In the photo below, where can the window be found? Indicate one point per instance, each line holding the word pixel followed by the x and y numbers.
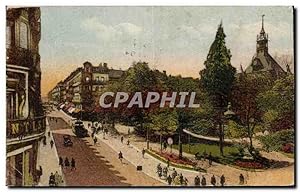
pixel 87 79
pixel 23 35
pixel 8 36
pixel 97 79
pixel 102 79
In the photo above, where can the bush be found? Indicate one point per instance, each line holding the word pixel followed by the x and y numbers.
pixel 276 141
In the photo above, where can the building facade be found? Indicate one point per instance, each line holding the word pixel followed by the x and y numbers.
pixel 25 115
pixel 83 86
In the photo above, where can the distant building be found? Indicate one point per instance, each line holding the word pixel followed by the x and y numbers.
pixel 24 111
pixel 262 62
pixel 83 86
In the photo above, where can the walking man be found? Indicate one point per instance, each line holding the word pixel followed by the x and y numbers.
pixel 203 181
pixel 143 152
pixel 174 174
pixel 95 140
pixel 73 164
pixel 51 180
pixel 181 179
pixel 44 141
pixel 48 133
pixel 120 156
pixel 222 180
pixel 242 179
pixel 169 180
pixel 213 180
pixel 56 178
pixel 122 138
pixel 60 162
pixel 67 163
pixel 51 143
pixel 197 181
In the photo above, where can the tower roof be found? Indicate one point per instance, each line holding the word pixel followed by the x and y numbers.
pixel 262 61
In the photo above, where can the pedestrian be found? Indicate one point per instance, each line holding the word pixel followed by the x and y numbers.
pixel 222 180
pixel 67 163
pixel 60 162
pixel 165 172
pixel 128 131
pixel 48 133
pixel 169 180
pixel 174 174
pixel 242 179
pixel 44 141
pixel 143 152
pixel 120 156
pixel 213 180
pixel 56 178
pixel 41 170
pixel 55 120
pixel 95 140
pixel 181 179
pixel 159 170
pixel 197 181
pixel 165 145
pixel 39 173
pixel 168 163
pixel 186 181
pixel 128 142
pixel 203 181
pixel 51 143
pixel 73 164
pixel 122 138
pixel 51 180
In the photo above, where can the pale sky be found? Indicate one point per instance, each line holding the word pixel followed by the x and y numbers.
pixel 175 39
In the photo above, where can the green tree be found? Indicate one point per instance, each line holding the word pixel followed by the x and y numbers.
pixel 278 104
pixel 140 78
pixel 164 122
pixel 217 77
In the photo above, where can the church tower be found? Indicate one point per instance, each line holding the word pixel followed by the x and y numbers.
pixel 262 40
pixel 262 62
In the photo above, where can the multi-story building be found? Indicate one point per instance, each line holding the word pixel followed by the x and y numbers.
pixel 83 86
pixel 25 115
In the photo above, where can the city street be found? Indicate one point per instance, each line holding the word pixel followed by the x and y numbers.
pixel 96 165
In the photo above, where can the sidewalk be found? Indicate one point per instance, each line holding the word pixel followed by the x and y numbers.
pixel 134 155
pixel 48 159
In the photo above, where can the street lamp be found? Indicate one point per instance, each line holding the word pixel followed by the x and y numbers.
pixel 229 114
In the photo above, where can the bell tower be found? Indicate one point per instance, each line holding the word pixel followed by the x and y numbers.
pixel 262 40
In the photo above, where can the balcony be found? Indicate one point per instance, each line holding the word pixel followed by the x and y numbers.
pixel 25 129
pixel 21 57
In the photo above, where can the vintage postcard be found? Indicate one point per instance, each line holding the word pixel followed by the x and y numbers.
pixel 150 96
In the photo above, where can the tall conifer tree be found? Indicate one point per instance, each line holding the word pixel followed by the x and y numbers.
pixel 217 77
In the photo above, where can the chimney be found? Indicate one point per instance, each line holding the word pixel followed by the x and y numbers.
pixel 105 65
pixel 100 65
